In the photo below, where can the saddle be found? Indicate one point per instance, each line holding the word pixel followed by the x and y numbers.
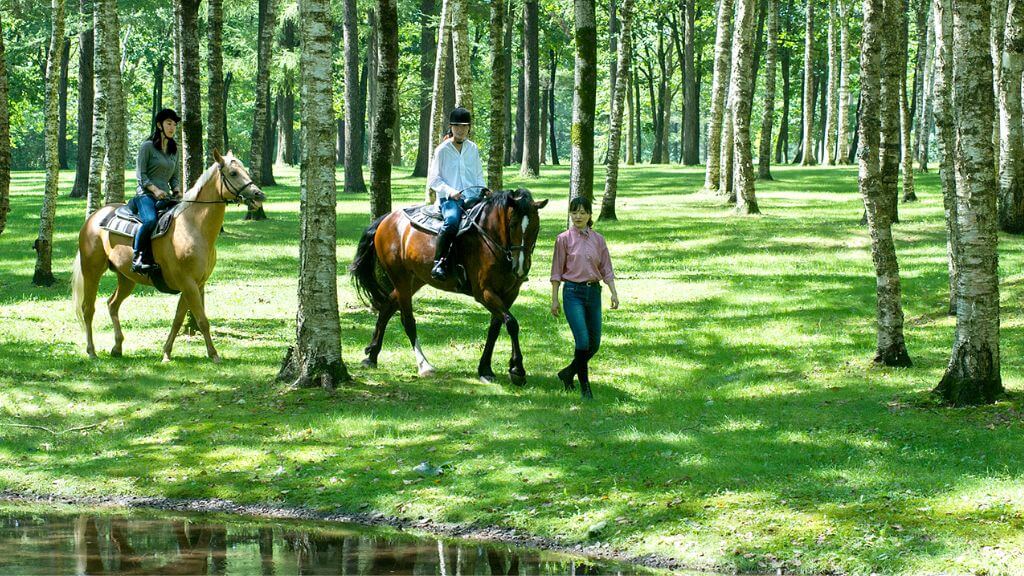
pixel 123 222
pixel 427 218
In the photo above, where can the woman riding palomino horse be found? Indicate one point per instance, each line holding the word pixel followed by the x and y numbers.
pixel 157 171
pixel 186 253
pixel 394 260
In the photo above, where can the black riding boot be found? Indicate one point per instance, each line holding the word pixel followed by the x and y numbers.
pixel 139 264
pixel 581 360
pixel 567 374
pixel 444 243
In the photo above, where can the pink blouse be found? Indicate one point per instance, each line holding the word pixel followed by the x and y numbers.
pixel 581 257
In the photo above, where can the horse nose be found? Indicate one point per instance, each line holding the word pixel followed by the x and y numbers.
pixel 259 195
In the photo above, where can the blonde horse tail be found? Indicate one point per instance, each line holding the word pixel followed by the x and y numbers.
pixel 78 288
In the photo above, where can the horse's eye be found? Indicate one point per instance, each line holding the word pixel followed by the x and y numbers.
pixel 234 172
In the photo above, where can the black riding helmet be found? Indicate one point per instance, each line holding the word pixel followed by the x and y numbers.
pixel 459 117
pixel 166 114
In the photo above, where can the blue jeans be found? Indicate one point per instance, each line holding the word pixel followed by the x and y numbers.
pixel 451 212
pixel 582 305
pixel 145 207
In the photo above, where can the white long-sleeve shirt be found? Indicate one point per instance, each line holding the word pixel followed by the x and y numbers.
pixel 452 171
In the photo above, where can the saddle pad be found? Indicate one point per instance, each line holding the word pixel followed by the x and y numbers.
pixel 124 222
pixel 428 218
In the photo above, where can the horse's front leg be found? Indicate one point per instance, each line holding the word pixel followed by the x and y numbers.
pixel 484 371
pixel 194 298
pixel 179 318
pixel 516 371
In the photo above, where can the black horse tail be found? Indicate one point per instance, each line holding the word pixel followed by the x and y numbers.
pixel 370 281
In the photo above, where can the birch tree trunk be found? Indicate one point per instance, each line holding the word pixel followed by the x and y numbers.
pixel 530 166
pixel 723 49
pixel 43 275
pixel 216 120
pixel 1011 164
pixel 428 50
pixel 191 108
pixel 764 149
pixel 879 101
pixel 920 81
pixel 892 79
pixel 973 374
pixel 808 107
pixel 552 141
pixel 831 95
pixel 928 111
pixel 462 45
pixel 116 123
pixel 628 100
pixel 996 35
pixel 316 359
pixel 625 57
pixel 354 113
pixel 499 92
pixel 387 109
pixel 5 137
pixel 843 117
pixel 258 138
pixel 440 68
pixel 906 116
pixel 946 138
pixel 727 149
pixel 372 68
pixel 85 100
pixel 581 134
pixel 98 150
pixel 782 142
pixel 743 86
pixel 691 102
pixel 62 106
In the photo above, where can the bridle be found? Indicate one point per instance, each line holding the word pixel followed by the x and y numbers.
pixel 226 183
pixel 499 250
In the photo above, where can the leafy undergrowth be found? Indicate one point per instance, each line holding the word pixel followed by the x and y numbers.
pixel 738 424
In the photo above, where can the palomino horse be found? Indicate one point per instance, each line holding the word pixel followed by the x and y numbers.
pixel 186 253
pixel 393 261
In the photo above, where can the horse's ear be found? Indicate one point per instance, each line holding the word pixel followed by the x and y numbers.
pixel 218 157
pixel 541 204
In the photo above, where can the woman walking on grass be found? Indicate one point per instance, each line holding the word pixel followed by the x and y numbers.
pixel 581 261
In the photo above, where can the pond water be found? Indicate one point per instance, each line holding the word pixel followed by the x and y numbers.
pixel 37 541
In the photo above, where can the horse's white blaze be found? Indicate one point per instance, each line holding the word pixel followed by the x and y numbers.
pixel 522 253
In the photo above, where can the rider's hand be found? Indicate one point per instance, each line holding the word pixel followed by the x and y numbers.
pixel 455 196
pixel 555 308
pixel 615 302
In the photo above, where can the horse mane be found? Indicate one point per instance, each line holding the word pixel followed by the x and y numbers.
pixel 193 192
pixel 520 198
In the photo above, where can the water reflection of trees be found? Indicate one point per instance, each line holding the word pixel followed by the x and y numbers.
pixel 103 546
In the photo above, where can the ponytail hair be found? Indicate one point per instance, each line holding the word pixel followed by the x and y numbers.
pixel 581 202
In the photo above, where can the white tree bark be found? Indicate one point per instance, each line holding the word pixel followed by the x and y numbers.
pixel 462 44
pixel 622 65
pixel 581 134
pixel 831 96
pixel 5 137
pixel 764 155
pixel 945 140
pixel 316 358
pixel 116 123
pixel 44 243
pixel 843 117
pixel 437 93
pixel 743 87
pixel 808 107
pixel 973 374
pixel 1011 164
pixel 719 88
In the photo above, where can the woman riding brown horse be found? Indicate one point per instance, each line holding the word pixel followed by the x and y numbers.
pixel 186 253
pixel 393 262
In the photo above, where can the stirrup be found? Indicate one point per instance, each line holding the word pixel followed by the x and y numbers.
pixel 438 272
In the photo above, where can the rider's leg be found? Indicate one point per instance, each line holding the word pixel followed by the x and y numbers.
pixel 451 211
pixel 145 208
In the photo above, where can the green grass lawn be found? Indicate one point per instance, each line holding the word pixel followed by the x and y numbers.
pixel 739 423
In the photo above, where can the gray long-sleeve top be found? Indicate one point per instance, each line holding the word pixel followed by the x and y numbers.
pixel 155 167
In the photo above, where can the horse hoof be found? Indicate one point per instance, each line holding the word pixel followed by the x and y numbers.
pixel 487 378
pixel 166 359
pixel 92 355
pixel 115 353
pixel 216 359
pixel 517 378
pixel 426 372
pixel 367 363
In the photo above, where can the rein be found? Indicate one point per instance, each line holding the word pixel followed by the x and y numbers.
pixel 225 183
pixel 495 246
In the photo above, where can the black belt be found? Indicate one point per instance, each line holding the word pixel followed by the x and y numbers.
pixel 590 283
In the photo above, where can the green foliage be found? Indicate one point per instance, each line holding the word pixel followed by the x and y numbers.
pixel 739 423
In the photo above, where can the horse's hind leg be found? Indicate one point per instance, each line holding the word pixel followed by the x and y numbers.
pixel 179 318
pixel 377 341
pixel 484 371
pixel 125 286
pixel 409 323
pixel 90 284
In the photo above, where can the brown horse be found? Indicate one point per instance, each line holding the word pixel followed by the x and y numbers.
pixel 393 261
pixel 186 253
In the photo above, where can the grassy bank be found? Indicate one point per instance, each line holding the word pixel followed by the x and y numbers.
pixel 738 421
